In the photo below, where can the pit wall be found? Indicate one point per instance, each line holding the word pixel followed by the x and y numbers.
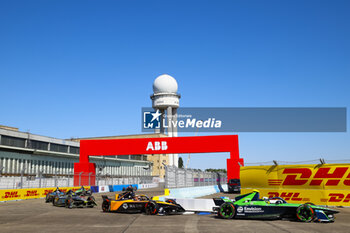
pixel 321 184
pixel 34 193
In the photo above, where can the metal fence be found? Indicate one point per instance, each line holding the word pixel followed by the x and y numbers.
pixel 314 161
pixel 47 180
pixel 178 178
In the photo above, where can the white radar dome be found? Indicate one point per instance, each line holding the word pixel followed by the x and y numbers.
pixel 164 84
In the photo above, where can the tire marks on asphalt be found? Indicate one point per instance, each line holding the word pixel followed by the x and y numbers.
pixel 130 224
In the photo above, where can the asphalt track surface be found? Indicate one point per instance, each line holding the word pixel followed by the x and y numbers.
pixel 37 216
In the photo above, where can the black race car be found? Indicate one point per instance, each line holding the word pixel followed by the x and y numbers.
pixel 83 192
pixel 79 198
pixel 51 196
pixel 140 204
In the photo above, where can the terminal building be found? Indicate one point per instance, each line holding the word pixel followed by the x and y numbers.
pixel 30 155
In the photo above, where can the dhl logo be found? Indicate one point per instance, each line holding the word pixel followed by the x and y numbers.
pixel 295 196
pixel 301 176
pixel 31 193
pixel 338 197
pixel 11 195
pixel 288 196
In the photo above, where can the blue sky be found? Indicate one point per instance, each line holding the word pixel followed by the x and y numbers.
pixel 85 68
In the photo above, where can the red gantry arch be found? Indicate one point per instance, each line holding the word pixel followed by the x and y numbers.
pixel 172 145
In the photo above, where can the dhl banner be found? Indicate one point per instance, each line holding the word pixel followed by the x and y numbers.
pixel 321 184
pixel 22 194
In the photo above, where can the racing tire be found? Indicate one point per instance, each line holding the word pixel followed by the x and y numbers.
pixel 91 202
pixel 92 199
pixel 305 213
pixel 106 206
pixel 151 208
pixel 47 198
pixel 69 202
pixel 54 201
pixel 227 211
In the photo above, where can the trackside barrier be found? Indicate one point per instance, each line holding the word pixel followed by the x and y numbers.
pixel 147 186
pixel 23 194
pixel 103 189
pixel 321 184
pixel 94 189
pixel 115 188
pixel 191 192
pixel 205 205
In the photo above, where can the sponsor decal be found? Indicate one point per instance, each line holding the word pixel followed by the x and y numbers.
pixel 135 206
pixel 338 197
pixel 125 206
pixel 253 210
pixel 157 146
pixel 293 196
pixel 47 191
pixel 327 176
pixel 12 194
pixel 32 193
pixel 240 209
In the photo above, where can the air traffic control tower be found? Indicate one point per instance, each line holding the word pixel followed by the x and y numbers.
pixel 166 99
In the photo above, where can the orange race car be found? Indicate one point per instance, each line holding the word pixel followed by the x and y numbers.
pixel 128 202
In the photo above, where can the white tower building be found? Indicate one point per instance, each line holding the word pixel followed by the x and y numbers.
pixel 166 99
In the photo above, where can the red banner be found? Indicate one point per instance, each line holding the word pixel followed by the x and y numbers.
pixel 167 145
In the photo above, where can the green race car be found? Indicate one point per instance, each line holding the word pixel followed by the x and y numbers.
pixel 250 206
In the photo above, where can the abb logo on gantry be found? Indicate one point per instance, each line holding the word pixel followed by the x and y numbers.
pixel 326 175
pixel 157 146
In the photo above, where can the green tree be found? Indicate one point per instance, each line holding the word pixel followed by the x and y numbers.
pixel 216 170
pixel 181 163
